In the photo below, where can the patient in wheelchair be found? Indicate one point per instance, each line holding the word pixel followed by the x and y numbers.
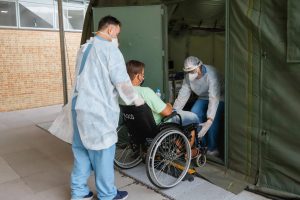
pixel 160 109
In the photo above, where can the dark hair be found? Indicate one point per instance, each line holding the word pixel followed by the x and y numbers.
pixel 108 20
pixel 134 67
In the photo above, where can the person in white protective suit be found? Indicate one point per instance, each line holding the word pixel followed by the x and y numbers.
pixel 205 82
pixel 101 79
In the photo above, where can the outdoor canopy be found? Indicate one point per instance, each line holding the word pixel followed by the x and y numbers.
pixel 262 72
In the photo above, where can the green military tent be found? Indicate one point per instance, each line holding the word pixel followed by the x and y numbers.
pixel 256 45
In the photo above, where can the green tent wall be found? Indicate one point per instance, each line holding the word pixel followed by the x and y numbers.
pixel 262 70
pixel 263 93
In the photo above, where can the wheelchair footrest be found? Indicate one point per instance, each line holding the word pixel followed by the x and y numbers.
pixel 188 177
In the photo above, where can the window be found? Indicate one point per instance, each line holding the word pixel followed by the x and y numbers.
pixel 75 18
pixel 42 14
pixel 73 14
pixel 8 13
pixel 36 15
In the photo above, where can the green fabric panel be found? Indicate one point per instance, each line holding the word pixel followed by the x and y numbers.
pixel 280 159
pixel 144 44
pixel 263 97
pixel 293 31
pixel 88 26
pixel 273 193
pixel 242 89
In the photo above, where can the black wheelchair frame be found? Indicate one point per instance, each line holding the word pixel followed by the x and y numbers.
pixel 165 147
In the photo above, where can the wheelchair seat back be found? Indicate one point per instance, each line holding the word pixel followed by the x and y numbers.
pixel 140 122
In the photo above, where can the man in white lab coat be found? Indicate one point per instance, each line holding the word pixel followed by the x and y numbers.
pixel 101 79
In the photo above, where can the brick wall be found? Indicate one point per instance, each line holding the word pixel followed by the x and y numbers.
pixel 30 68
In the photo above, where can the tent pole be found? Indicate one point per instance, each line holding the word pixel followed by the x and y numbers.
pixel 62 50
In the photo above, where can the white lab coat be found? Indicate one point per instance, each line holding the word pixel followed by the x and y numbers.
pixel 209 87
pixel 99 85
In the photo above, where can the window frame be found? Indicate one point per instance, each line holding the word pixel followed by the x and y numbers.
pixel 35 28
pixel 65 5
pixel 16 15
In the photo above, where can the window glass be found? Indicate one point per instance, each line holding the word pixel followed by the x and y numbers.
pixel 75 18
pixel 36 15
pixel 65 18
pixel 42 13
pixel 8 13
pixel 38 1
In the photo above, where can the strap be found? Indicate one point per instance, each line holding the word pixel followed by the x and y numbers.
pixel 84 57
pixel 203 69
pixel 83 61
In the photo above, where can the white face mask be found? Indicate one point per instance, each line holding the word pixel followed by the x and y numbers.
pixel 193 76
pixel 114 40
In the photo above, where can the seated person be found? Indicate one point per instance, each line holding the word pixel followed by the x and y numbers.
pixel 135 70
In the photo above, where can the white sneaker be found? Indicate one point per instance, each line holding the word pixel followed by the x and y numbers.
pixel 213 153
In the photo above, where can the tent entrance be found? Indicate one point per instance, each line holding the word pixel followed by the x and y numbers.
pixel 196 28
pixel 162 36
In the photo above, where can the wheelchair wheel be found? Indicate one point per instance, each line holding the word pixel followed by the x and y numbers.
pixel 168 158
pixel 128 155
pixel 200 160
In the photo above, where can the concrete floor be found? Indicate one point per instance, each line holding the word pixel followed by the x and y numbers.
pixel 36 165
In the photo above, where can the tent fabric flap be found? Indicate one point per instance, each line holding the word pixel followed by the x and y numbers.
pixel 293 31
pixel 263 93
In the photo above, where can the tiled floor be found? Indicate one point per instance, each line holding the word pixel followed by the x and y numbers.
pixel 36 165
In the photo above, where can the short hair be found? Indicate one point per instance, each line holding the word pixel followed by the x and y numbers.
pixel 134 67
pixel 106 21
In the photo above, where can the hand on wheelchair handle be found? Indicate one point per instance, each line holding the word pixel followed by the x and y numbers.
pixel 205 126
pixel 139 101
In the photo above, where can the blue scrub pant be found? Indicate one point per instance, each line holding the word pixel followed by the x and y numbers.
pixel 101 161
pixel 211 138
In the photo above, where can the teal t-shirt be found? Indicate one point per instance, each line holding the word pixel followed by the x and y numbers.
pixel 153 101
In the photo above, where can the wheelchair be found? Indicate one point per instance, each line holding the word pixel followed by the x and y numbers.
pixel 164 147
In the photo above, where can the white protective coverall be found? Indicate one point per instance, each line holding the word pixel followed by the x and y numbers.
pixel 102 80
pixel 209 87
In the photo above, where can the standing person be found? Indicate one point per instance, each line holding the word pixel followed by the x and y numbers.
pixel 205 82
pixel 101 78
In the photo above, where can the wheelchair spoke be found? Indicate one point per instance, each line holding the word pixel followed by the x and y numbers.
pixel 163 168
pixel 122 154
pixel 125 156
pixel 158 163
pixel 169 158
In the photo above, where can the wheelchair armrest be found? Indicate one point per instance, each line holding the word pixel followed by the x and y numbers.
pixel 173 114
pixel 166 118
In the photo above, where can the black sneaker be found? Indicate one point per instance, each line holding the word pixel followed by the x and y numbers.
pixel 89 196
pixel 121 195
